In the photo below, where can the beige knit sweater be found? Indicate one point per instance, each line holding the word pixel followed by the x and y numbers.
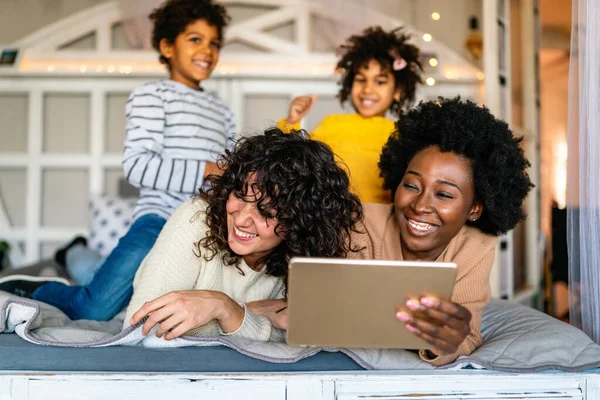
pixel 173 265
pixel 472 251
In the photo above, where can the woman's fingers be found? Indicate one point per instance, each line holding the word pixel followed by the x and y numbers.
pixel 444 341
pixel 447 307
pixel 146 309
pixel 451 337
pixel 150 306
pixel 179 330
pixel 441 347
pixel 157 317
pixel 168 324
pixel 443 315
pixel 442 323
pixel 266 307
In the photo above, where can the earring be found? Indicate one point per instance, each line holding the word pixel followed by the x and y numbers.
pixel 473 219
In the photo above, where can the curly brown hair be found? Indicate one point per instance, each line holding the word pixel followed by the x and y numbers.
pixel 376 44
pixel 174 16
pixel 301 186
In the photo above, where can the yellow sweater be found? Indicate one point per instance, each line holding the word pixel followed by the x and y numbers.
pixel 357 141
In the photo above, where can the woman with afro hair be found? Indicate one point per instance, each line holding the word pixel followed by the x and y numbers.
pixel 458 179
pixel 279 196
pixel 380 73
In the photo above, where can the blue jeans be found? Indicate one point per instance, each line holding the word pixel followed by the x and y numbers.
pixel 112 286
pixel 82 263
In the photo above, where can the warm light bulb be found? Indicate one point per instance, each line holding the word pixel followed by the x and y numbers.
pixel 430 81
pixel 435 16
pixel 111 68
pixel 83 68
pixel 480 76
pixel 433 62
pixel 427 37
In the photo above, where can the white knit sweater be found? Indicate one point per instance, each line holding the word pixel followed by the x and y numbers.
pixel 173 265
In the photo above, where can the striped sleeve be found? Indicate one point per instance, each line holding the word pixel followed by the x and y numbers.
pixel 231 134
pixel 145 164
pixel 230 121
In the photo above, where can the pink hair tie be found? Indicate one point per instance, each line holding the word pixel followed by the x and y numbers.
pixel 399 62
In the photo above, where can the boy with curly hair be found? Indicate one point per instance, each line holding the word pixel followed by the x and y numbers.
pixel 175 132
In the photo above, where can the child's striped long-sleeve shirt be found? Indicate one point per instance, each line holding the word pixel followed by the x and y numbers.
pixel 172 132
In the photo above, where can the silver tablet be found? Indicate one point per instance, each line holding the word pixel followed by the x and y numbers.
pixel 353 303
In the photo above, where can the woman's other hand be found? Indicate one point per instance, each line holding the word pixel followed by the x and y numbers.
pixel 442 323
pixel 274 310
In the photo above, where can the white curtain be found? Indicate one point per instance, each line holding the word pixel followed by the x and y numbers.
pixel 583 175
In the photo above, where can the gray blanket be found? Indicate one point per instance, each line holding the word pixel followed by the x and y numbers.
pixel 516 339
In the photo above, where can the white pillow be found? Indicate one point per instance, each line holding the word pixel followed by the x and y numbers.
pixel 110 219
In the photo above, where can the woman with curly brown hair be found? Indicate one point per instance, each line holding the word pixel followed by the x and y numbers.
pixel 380 74
pixel 280 196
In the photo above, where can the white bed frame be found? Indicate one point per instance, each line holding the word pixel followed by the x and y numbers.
pixel 425 385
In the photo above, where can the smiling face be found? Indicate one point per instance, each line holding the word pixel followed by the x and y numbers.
pixel 433 202
pixel 373 90
pixel 194 54
pixel 249 234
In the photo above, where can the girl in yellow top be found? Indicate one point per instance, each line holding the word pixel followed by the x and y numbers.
pixel 380 73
